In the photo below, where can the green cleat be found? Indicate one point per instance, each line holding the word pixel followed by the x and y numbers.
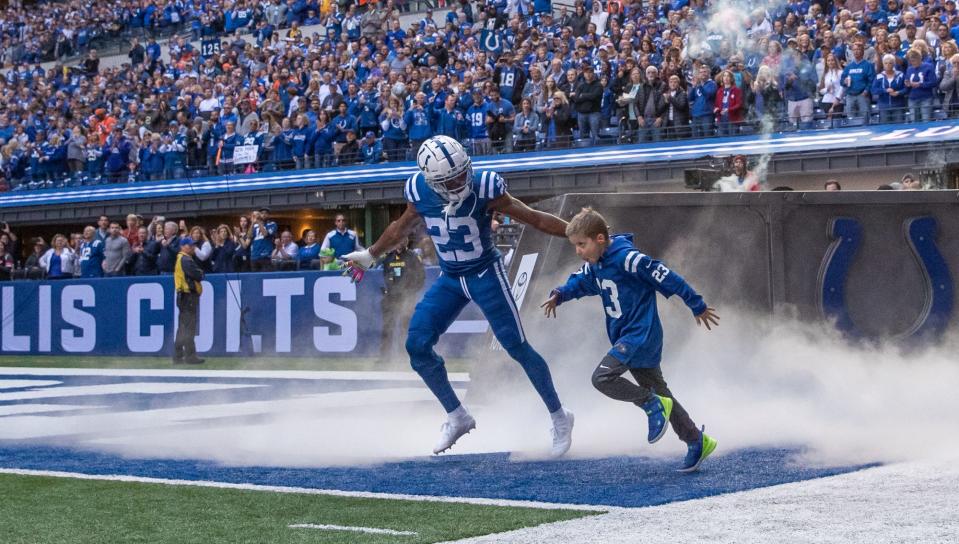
pixel 698 452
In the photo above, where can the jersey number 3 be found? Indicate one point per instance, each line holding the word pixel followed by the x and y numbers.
pixel 614 310
pixel 455 251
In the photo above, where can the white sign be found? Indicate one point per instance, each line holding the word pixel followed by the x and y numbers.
pixel 245 154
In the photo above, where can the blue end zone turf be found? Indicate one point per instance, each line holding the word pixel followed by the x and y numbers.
pixel 616 481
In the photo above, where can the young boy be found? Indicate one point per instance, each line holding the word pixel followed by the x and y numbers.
pixel 628 280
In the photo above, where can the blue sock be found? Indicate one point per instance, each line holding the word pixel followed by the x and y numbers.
pixel 538 373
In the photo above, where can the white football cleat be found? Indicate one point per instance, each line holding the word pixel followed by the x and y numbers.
pixel 451 431
pixel 562 435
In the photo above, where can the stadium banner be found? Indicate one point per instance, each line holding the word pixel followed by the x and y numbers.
pixel 304 314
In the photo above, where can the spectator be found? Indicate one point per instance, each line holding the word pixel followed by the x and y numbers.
pixel 856 80
pixel 341 239
pixel 525 127
pixel 7 263
pixel 285 255
pixel 202 248
pixel 702 100
pixel 144 253
pixel 587 96
pixel 310 250
pixel 832 89
pixel 169 240
pixel 910 183
pixel 889 88
pixel 502 116
pixel 116 252
pixel 33 266
pixel 677 109
pixel 798 81
pixel 920 80
pixel 263 236
pixel 59 261
pixel 91 254
pixel 371 149
pixel 103 228
pixel 768 99
pixel 417 121
pixel 350 152
pixel 558 120
pixel 651 106
pixel 948 87
pixel 132 232
pixel 224 251
pixel 395 139
pixel 729 105
pixel 832 185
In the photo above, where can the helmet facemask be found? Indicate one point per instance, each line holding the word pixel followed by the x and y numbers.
pixel 454 188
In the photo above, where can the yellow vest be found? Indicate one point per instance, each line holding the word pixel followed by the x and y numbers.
pixel 181 283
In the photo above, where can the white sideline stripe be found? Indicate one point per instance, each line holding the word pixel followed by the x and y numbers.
pixel 367 530
pixel 373 375
pixel 25 409
pixel 152 388
pixel 24 427
pixel 309 491
pixel 16 384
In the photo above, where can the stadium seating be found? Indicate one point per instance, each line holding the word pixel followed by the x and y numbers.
pixel 166 114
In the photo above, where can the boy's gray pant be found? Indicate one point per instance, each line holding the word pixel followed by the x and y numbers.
pixel 608 378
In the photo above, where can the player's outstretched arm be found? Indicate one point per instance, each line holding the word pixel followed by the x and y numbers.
pixel 391 237
pixel 541 221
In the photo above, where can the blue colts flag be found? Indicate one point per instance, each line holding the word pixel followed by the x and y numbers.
pixel 491 41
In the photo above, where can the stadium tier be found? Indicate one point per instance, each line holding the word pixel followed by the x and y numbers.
pixel 255 93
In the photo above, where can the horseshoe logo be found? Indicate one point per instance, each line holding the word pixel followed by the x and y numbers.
pixel 491 41
pixel 920 233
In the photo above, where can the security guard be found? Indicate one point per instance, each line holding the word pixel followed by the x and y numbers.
pixel 186 279
pixel 403 274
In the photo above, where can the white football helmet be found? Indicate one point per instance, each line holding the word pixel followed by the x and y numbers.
pixel 446 167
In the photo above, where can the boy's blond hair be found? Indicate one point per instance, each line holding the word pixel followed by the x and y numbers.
pixel 588 223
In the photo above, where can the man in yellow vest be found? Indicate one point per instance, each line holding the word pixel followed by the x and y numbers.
pixel 186 280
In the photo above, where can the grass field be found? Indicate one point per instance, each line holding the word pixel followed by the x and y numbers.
pixel 220 363
pixel 40 509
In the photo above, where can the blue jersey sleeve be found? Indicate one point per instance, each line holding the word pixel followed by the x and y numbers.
pixel 662 279
pixel 412 190
pixel 491 185
pixel 579 285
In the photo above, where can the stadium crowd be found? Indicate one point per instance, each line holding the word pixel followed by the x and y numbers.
pixel 507 75
pixel 136 247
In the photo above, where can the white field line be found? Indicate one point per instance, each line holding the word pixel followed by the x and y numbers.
pixel 372 375
pixel 308 491
pixel 17 384
pixel 33 408
pixel 144 388
pixel 367 530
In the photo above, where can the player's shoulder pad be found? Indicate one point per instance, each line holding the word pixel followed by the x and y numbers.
pixel 489 185
pixel 412 191
pixel 633 259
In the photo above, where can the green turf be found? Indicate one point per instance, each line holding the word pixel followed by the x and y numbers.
pixel 220 363
pixel 38 509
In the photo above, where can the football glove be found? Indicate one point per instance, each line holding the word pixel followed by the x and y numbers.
pixel 357 263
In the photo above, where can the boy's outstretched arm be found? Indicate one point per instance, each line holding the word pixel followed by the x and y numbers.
pixel 670 283
pixel 541 221
pixel 708 317
pixel 579 285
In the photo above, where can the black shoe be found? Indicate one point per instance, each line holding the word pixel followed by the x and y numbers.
pixel 194 361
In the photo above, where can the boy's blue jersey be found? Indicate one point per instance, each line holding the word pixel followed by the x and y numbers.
pixel 91 259
pixel 627 280
pixel 464 240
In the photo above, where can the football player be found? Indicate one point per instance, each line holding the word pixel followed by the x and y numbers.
pixel 457 205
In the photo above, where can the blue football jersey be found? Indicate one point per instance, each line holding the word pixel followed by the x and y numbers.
pixel 628 280
pixel 464 240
